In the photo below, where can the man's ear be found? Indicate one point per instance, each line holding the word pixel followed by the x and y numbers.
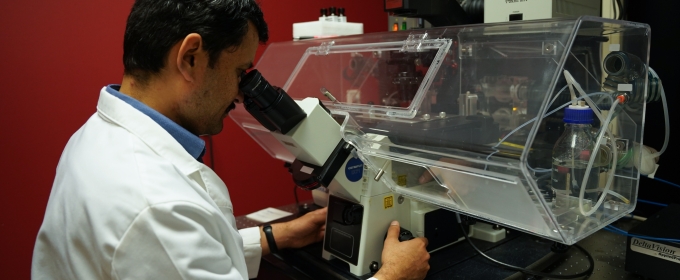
pixel 191 56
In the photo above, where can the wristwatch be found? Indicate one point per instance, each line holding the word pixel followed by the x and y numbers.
pixel 267 229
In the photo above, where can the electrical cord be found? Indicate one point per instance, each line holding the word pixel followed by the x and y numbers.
pixel 527 271
pixel 616 230
pixel 297 202
pixel 667 182
pixel 622 11
pixel 652 202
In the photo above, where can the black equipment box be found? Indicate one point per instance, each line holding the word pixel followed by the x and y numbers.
pixel 657 260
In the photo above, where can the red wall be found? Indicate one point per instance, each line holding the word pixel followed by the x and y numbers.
pixel 56 56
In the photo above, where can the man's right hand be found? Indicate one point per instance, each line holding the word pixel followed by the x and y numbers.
pixel 403 260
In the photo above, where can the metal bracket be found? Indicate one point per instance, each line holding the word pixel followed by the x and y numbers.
pixel 414 42
pixel 465 50
pixel 323 49
pixel 549 48
pixel 468 104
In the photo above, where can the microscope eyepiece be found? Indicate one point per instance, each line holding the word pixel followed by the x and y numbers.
pixel 269 105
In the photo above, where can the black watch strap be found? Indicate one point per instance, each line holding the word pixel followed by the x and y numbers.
pixel 267 229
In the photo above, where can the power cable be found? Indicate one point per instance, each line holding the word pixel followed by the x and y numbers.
pixel 527 271
pixel 622 12
pixel 652 202
pixel 667 182
pixel 616 230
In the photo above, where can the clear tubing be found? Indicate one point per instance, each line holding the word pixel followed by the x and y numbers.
pixel 621 197
pixel 593 156
pixel 558 95
pixel 665 114
pixel 569 103
pixel 572 83
pixel 571 90
pixel 547 114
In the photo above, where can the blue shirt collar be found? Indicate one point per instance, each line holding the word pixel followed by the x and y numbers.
pixel 193 144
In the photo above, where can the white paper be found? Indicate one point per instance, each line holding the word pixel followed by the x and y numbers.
pixel 268 214
pixel 306 169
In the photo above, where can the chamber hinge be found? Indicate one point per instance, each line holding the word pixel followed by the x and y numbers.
pixel 323 49
pixel 414 42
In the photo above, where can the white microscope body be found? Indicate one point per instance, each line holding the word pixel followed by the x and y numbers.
pixel 478 109
pixel 360 206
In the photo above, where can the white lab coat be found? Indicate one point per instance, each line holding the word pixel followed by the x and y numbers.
pixel 128 202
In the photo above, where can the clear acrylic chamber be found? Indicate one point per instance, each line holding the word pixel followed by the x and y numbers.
pixel 472 113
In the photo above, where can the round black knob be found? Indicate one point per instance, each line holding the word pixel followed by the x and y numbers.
pixel 373 267
pixel 405 235
pixel 352 214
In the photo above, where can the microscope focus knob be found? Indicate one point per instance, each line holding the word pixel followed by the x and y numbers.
pixel 374 267
pixel 352 214
pixel 405 235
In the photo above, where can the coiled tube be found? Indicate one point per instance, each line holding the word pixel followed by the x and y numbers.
pixel 610 178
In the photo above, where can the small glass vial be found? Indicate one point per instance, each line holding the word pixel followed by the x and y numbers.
pixel 322 16
pixel 332 14
pixel 341 15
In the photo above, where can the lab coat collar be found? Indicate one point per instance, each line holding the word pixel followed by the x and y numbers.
pixel 119 112
pixel 191 143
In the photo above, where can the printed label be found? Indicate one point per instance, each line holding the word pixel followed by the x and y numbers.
pixel 654 249
pixel 388 202
pixel 402 180
pixel 354 169
pixel 625 87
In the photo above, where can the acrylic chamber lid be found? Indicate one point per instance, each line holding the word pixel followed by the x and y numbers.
pixel 471 113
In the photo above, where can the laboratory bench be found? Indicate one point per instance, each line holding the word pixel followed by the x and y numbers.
pixel 460 261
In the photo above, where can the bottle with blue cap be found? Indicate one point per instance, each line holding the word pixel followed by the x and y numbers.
pixel 570 158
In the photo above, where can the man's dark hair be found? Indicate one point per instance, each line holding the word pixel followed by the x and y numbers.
pixel 154 26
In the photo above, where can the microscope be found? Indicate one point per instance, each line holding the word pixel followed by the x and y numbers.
pixel 417 126
pixel 360 205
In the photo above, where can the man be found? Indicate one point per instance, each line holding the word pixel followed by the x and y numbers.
pixel 132 199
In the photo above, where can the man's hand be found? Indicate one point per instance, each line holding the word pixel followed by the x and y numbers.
pixel 297 233
pixel 403 260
